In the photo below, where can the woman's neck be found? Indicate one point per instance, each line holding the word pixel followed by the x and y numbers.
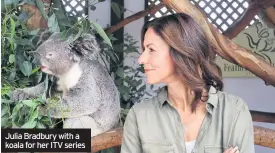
pixel 180 96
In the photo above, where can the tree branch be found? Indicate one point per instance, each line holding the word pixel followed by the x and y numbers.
pixel 254 8
pixel 36 20
pixel 134 17
pixel 223 46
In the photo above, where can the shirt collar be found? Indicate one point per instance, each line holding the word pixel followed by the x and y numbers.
pixel 212 100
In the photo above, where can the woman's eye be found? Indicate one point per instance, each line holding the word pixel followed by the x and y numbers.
pixel 151 50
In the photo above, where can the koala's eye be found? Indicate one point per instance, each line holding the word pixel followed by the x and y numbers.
pixel 49 54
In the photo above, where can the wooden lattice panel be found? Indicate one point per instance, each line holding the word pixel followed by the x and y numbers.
pixel 221 13
pixel 161 12
pixel 76 8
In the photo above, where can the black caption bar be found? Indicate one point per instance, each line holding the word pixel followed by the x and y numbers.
pixel 46 140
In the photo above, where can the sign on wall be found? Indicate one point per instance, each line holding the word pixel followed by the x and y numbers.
pixel 257 38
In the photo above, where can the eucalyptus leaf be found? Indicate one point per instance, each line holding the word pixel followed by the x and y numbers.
pixel 30 103
pixel 41 7
pixel 25 110
pixel 40 125
pixel 4 110
pixel 86 26
pixel 15 111
pixel 12 28
pixel 111 55
pixel 46 120
pixel 4 121
pixel 34 115
pixel 102 33
pixel 120 72
pixel 67 33
pixel 55 27
pixel 2 6
pixel 34 32
pixel 123 89
pixel 142 88
pixel 78 34
pixel 29 125
pixel 30 2
pixel 26 68
pixel 60 14
pixel 119 82
pixel 6 101
pixel 116 9
pixel 9 2
pixel 12 76
pixel 11 58
pixel 51 20
pixel 35 70
pixel 23 41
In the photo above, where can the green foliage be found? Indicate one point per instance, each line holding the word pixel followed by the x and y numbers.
pixel 129 79
pixel 19 68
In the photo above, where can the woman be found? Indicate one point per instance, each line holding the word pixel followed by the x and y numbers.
pixel 190 114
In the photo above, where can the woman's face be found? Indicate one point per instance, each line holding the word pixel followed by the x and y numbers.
pixel 158 65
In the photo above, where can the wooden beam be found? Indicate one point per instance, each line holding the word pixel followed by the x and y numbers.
pixel 106 140
pixel 262 136
pixel 258 116
pixel 254 8
pixel 134 17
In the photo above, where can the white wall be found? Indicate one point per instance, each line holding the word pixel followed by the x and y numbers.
pixel 102 13
pixel 257 95
pixel 133 28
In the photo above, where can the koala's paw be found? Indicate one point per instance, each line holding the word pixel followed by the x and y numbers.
pixel 19 94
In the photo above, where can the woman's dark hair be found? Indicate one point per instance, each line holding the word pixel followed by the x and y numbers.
pixel 192 54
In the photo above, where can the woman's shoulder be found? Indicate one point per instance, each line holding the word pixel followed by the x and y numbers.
pixel 147 105
pixel 230 101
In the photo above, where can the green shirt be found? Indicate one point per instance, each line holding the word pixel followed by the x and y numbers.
pixel 154 126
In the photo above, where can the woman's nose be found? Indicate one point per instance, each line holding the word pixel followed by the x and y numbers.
pixel 142 58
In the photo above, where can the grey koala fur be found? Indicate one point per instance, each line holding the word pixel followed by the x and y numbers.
pixel 89 93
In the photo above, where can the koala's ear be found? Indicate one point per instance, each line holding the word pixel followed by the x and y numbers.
pixel 43 36
pixel 74 57
pixel 86 45
pixel 55 36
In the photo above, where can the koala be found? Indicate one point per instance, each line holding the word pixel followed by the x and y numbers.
pixel 89 94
